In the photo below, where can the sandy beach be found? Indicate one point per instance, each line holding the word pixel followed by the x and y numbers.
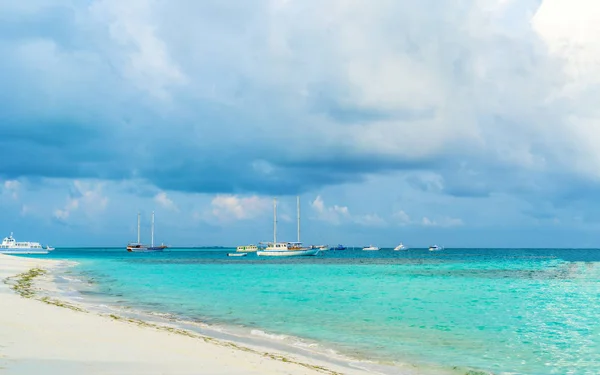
pixel 38 335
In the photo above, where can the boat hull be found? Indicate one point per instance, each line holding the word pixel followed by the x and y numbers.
pixel 149 249
pixel 370 249
pixel 24 251
pixel 237 254
pixel 288 253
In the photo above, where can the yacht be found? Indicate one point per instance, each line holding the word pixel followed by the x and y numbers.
pixel 11 246
pixel 320 247
pixel 138 247
pixel 371 248
pixel 435 248
pixel 246 249
pixel 286 249
pixel 401 247
pixel 339 247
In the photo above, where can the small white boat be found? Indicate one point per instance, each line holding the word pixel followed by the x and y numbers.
pixel 247 249
pixel 435 248
pixel 237 254
pixel 401 247
pixel 370 248
pixel 320 247
pixel 11 246
pixel 286 249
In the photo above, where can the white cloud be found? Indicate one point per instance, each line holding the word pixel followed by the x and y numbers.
pixel 334 214
pixel 232 207
pixel 442 222
pixel 402 217
pixel 86 197
pixel 166 202
pixel 338 215
pixel 11 188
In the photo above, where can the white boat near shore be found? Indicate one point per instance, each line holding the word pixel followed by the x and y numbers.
pixel 11 246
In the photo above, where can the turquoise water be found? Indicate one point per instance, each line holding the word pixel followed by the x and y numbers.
pixel 503 311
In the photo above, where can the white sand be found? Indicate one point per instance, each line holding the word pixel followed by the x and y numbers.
pixel 37 338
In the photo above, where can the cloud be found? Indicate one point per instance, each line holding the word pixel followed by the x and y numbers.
pixel 465 82
pixel 402 217
pixel 338 215
pixel 84 196
pixel 442 222
pixel 166 202
pixel 229 208
pixel 11 188
pixel 334 214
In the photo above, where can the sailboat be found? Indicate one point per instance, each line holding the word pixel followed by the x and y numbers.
pixel 286 249
pixel 138 247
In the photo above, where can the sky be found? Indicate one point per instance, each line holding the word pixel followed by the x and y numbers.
pixel 463 123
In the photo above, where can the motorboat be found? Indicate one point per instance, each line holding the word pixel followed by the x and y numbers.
pixel 370 248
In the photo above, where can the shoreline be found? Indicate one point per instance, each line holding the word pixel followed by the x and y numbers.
pixel 66 338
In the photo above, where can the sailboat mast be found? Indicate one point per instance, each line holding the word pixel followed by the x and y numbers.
pixel 298 211
pixel 152 234
pixel 274 221
pixel 138 241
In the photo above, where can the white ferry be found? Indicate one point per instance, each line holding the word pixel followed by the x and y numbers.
pixel 11 246
pixel 247 249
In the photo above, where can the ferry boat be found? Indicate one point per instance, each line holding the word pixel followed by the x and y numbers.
pixel 246 249
pixel 286 249
pixel 11 246
pixel 370 248
pixel 138 247
pixel 400 247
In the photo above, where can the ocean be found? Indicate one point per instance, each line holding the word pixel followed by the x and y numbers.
pixel 499 311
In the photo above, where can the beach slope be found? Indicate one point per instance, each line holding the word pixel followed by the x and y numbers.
pixel 38 337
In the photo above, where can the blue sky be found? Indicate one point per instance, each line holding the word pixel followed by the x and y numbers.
pixel 461 123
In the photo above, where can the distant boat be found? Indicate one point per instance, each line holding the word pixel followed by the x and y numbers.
pixel 138 247
pixel 400 247
pixel 286 249
pixel 371 248
pixel 11 246
pixel 339 247
pixel 320 247
pixel 247 249
pixel 237 254
pixel 435 248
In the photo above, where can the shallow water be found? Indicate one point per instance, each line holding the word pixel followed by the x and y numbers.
pixel 514 311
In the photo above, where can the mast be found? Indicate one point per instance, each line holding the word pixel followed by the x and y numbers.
pixel 274 221
pixel 152 232
pixel 138 241
pixel 298 212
